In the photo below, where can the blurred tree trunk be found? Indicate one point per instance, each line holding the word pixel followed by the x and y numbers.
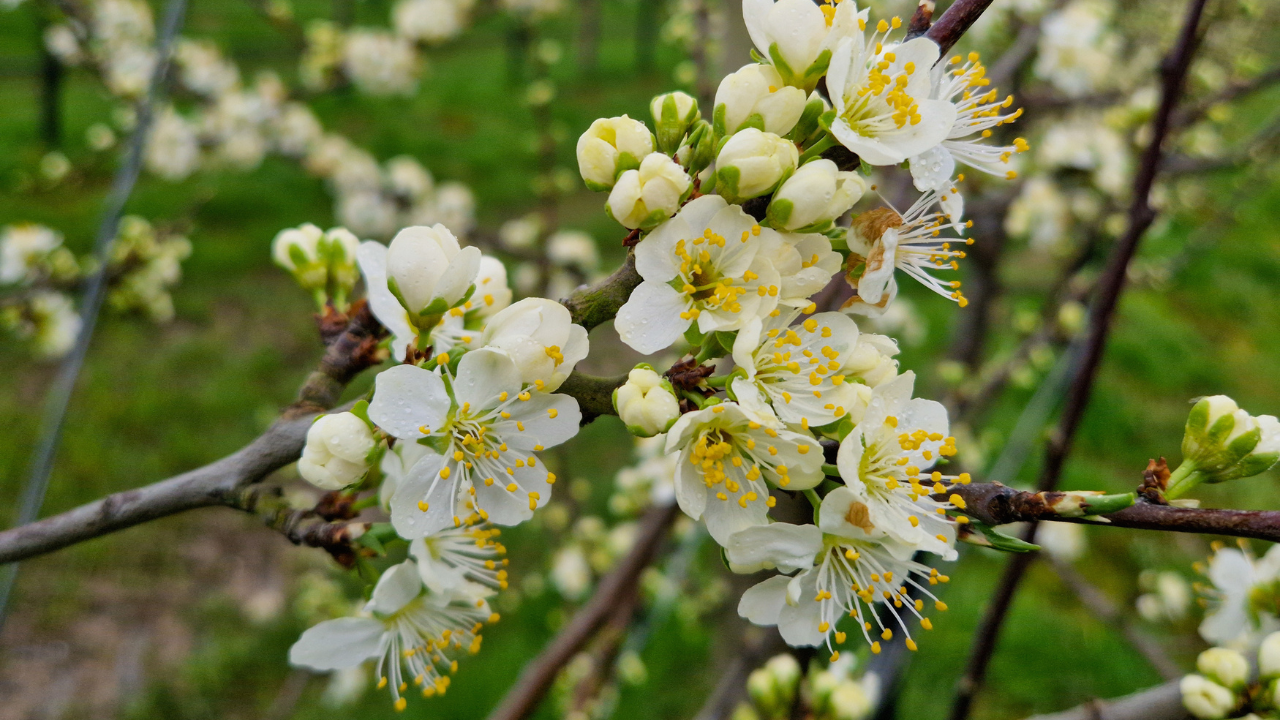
pixel 51 74
pixel 589 12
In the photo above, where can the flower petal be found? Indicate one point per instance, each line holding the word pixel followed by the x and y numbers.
pixel 338 644
pixel 408 399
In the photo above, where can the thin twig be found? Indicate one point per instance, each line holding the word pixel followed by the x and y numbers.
pixel 540 673
pixel 64 384
pixel 1163 702
pixel 1173 73
pixel 955 22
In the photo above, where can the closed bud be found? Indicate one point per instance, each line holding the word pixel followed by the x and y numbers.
pixel 298 251
pixel 814 196
pixel 773 687
pixel 429 272
pixel 699 148
pixel 610 147
pixel 647 196
pixel 646 402
pixel 850 701
pixel 821 686
pixel 752 163
pixel 339 246
pixel 673 114
pixel 1205 698
pixel 756 96
pixel 1223 442
pixel 336 452
pixel 1226 667
pixel 1269 657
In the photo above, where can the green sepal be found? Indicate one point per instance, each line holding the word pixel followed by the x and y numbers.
pixel 361 410
pixel 754 120
pixel 626 161
pixel 372 542
pixel 760 59
pixel 779 212
pixel 788 75
pixel 826 118
pixel 438 443
pixel 816 70
pixel 727 179
pixel 718 128
pixel 595 186
pixel 693 335
pixel 865 168
pixel 999 541
pixel 726 338
pixel 299 258
pixel 1107 504
pixel 655 218
pixel 808 122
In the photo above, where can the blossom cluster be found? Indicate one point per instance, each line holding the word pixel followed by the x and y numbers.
pixel 39 274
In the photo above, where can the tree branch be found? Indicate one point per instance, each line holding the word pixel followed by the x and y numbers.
pixel 957 19
pixel 1163 702
pixel 596 304
pixel 1110 285
pixel 540 673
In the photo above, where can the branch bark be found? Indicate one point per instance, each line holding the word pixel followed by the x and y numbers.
pixel 1173 72
pixel 540 673
pixel 1163 702
pixel 957 19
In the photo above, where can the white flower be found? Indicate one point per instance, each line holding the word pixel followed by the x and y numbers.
pixel 798 36
pixel 1243 598
pixel 408 179
pixel 412 633
pixel 729 456
pixel 61 42
pixel 814 196
pixel 757 91
pixel 204 70
pixel 647 196
pixel 1269 657
pixel 883 461
pixel 570 572
pixel 100 137
pixel 1206 699
pixel 839 576
pixel 381 63
pixel 173 150
pixel 313 255
pixel 395 466
pixel 541 338
pixel 1077 53
pixel 295 129
pixel 881 96
pixel 54 324
pixel 881 241
pixel 336 451
pixel 1223 442
pixel 1224 666
pixel 22 246
pixel 431 21
pixel 646 404
pixel 451 559
pixel 609 147
pixel 428 270
pixel 1085 142
pixel 752 163
pixel 484 435
pixel 977 112
pixel 719 253
pixel 1064 542
pixel 574 248
pixel 1040 213
pixel 798 367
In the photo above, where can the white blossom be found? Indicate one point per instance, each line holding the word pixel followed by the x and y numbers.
pixel 647 196
pixel 609 147
pixel 484 430
pixel 757 91
pixel 814 196
pixel 798 36
pixel 336 450
pixel 381 63
pixel 752 163
pixel 646 404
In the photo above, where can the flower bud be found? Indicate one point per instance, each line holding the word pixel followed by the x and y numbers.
pixel 752 163
pixel 773 687
pixel 1269 657
pixel 610 147
pixel 336 452
pixel 756 96
pixel 428 271
pixel 646 403
pixel 339 246
pixel 297 250
pixel 647 196
pixel 541 338
pixel 814 196
pixel 673 113
pixel 1205 698
pixel 1223 442
pixel 1226 667
pixel 850 701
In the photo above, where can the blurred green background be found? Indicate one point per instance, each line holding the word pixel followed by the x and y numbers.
pixel 192 616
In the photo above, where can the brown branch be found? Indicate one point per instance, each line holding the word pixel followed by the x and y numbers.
pixel 540 673
pixel 604 655
pixel 957 20
pixel 1194 113
pixel 1173 75
pixel 921 19
pixel 218 482
pixel 1163 702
